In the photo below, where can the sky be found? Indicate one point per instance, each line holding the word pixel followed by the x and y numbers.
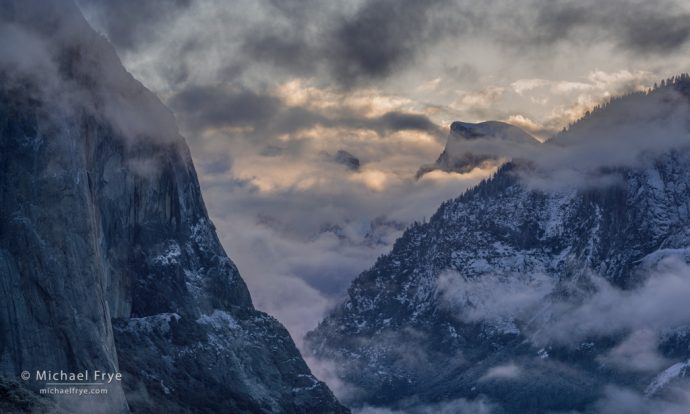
pixel 277 98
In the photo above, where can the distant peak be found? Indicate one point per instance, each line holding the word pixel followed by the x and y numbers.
pixel 483 145
pixel 488 129
pixel 480 126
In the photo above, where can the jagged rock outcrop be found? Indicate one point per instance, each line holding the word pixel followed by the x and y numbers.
pixel 540 290
pixel 108 259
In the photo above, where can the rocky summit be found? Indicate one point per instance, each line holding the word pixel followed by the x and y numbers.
pixel 480 145
pixel 108 260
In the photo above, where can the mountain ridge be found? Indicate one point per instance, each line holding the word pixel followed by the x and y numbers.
pixel 481 303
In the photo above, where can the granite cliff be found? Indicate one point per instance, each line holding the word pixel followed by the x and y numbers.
pixel 108 259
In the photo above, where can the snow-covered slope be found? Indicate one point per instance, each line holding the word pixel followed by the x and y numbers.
pixel 538 289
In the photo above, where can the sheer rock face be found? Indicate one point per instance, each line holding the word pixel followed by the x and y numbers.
pixel 108 259
pixel 467 305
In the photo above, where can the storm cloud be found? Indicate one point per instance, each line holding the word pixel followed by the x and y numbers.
pixel 129 23
pixel 218 107
pixel 382 35
pixel 640 27
pixel 352 43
